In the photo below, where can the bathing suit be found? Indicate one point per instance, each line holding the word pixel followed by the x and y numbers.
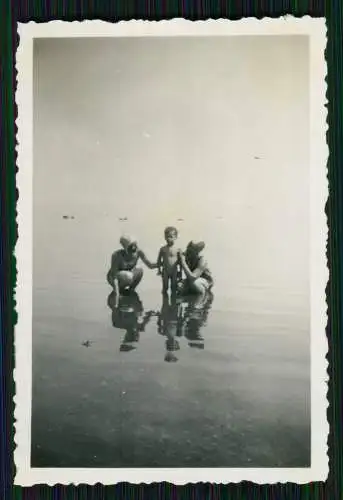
pixel 206 274
pixel 126 263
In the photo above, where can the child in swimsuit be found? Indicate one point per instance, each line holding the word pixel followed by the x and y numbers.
pixel 168 262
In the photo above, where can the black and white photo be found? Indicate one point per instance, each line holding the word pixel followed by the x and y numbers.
pixel 171 253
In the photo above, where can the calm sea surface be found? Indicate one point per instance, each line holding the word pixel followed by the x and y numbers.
pixel 224 383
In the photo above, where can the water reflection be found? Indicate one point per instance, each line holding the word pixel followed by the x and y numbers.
pixel 183 317
pixel 178 317
pixel 128 314
pixel 196 318
pixel 169 324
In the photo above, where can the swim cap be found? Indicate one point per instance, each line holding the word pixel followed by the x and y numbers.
pixel 196 246
pixel 126 241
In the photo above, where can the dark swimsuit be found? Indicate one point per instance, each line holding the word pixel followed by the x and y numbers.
pixel 206 274
pixel 124 264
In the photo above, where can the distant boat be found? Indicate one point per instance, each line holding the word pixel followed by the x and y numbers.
pixel 68 216
pixel 123 218
pixel 87 343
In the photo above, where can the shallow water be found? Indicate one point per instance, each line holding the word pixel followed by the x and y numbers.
pixel 210 135
pixel 151 383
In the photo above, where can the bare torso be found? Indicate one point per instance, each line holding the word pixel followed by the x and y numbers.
pixel 169 259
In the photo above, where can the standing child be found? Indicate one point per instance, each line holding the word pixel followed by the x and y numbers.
pixel 168 262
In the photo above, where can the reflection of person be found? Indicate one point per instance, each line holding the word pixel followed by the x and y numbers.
pixel 124 275
pixel 196 317
pixel 170 319
pixel 168 261
pixel 127 314
pixel 183 318
pixel 169 324
pixel 198 276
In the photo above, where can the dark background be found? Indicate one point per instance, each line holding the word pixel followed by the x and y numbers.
pixel 19 11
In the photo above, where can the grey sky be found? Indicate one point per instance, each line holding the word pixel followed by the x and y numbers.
pixel 197 109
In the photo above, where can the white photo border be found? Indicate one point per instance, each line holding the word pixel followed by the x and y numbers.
pixel 315 29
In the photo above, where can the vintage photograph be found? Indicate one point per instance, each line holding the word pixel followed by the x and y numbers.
pixel 171 252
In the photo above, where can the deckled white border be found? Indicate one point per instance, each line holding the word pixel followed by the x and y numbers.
pixel 316 30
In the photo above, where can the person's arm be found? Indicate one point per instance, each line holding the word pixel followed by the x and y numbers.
pixel 179 265
pixel 150 265
pixel 112 274
pixel 197 272
pixel 160 261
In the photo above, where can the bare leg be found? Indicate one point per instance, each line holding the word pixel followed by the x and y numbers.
pixel 124 280
pixel 128 280
pixel 198 286
pixel 174 282
pixel 109 278
pixel 165 282
pixel 137 275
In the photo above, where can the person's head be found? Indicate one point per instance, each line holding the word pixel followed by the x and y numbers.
pixel 194 248
pixel 129 244
pixel 193 252
pixel 132 248
pixel 170 235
